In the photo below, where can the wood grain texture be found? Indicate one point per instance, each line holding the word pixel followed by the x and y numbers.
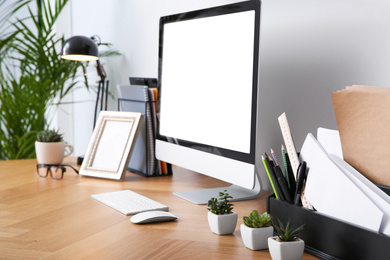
pixel 41 218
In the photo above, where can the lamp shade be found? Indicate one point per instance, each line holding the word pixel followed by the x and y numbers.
pixel 80 48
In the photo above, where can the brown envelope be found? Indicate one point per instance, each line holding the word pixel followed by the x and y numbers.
pixel 363 120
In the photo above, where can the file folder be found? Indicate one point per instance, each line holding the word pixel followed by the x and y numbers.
pixel 137 98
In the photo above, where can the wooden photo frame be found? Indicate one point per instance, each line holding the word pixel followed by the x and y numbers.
pixel 111 144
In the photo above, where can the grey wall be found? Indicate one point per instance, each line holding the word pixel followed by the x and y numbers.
pixel 309 48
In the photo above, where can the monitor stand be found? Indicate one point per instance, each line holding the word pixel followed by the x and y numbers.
pixel 202 196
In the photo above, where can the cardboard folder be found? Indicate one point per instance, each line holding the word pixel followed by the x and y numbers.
pixel 363 120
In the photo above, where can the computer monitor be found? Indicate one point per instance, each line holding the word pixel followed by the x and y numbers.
pixel 208 96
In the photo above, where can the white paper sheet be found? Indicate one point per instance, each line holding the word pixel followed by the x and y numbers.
pixel 376 195
pixel 334 194
pixel 330 140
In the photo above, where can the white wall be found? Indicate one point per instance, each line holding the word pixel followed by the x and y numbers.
pixel 132 28
pixel 309 48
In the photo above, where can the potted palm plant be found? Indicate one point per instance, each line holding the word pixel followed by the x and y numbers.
pixel 256 230
pixel 50 147
pixel 286 245
pixel 222 220
pixel 33 77
pixel 33 74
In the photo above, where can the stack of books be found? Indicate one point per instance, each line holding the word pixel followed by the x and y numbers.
pixel 140 98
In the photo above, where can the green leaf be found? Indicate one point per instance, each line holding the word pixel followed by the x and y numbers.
pixel 32 73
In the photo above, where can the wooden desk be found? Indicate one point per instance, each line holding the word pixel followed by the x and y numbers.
pixel 41 218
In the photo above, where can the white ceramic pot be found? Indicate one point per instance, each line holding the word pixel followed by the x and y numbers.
pixel 222 224
pixel 286 250
pixel 256 238
pixel 51 153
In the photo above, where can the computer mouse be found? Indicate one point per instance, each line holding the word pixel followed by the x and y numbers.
pixel 152 216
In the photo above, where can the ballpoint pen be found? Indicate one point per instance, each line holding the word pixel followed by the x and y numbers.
pixel 301 179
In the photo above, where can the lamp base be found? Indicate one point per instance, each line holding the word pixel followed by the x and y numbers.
pixel 80 160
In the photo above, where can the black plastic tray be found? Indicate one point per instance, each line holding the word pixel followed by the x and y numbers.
pixel 329 238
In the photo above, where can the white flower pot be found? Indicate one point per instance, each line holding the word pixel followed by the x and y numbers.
pixel 286 250
pixel 222 224
pixel 51 153
pixel 256 238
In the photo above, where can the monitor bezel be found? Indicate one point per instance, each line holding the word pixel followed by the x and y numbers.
pixel 253 5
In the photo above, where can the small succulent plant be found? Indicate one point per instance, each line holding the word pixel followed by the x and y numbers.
pixel 221 205
pixel 49 136
pixel 254 220
pixel 285 232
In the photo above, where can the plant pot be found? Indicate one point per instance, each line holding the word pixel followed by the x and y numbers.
pixel 292 250
pixel 51 153
pixel 256 238
pixel 222 224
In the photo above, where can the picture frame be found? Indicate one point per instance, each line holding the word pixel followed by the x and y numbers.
pixel 111 145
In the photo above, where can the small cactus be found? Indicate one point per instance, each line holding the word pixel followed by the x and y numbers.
pixel 285 232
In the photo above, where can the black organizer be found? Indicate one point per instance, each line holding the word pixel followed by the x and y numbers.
pixel 329 238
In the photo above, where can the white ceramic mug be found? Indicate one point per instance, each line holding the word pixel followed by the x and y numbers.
pixel 52 153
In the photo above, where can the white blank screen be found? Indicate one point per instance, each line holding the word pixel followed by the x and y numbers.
pixel 207 74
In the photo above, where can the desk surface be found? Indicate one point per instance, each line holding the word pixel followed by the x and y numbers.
pixel 57 219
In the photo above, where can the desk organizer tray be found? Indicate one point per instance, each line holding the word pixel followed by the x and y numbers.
pixel 329 238
pixel 143 160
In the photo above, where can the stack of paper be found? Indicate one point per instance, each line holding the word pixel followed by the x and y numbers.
pixel 336 189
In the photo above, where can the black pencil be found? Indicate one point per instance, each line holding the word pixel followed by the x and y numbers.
pixel 283 184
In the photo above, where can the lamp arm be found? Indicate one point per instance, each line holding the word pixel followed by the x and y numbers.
pixel 102 92
pixel 100 70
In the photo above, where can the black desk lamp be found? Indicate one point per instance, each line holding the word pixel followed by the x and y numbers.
pixel 81 48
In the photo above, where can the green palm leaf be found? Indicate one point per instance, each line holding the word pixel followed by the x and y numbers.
pixel 32 75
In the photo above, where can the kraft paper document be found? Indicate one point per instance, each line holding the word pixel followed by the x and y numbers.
pixel 363 120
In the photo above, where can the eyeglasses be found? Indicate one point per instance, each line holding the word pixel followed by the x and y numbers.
pixel 56 171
